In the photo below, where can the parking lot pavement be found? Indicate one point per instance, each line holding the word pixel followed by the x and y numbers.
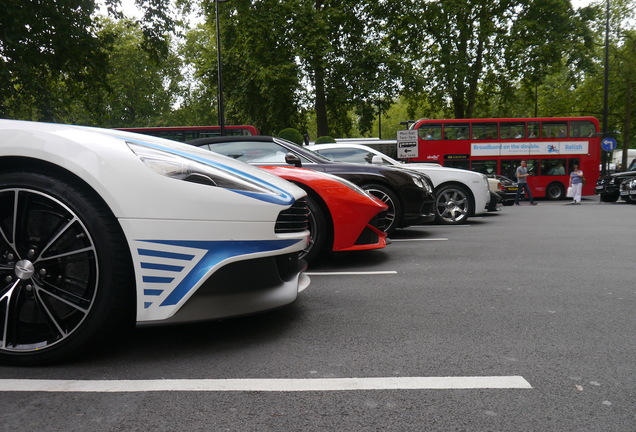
pixel 539 295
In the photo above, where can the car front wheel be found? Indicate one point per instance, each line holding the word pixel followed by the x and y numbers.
pixel 610 197
pixel 452 205
pixel 394 212
pixel 317 227
pixel 65 271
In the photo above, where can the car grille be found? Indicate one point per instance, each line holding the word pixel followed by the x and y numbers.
pixel 294 219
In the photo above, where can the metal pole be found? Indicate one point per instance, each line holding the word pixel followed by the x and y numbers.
pixel 606 90
pixel 220 72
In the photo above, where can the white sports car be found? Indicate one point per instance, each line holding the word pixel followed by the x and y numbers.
pixel 459 194
pixel 100 229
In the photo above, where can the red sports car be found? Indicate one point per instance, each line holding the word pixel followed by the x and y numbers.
pixel 342 216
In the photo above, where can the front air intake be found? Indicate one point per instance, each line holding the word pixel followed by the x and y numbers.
pixel 294 219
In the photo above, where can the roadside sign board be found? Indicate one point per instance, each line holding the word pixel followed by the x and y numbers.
pixel 407 144
pixel 608 144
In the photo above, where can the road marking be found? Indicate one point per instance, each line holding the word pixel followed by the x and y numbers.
pixel 425 227
pixel 408 240
pixel 265 385
pixel 348 273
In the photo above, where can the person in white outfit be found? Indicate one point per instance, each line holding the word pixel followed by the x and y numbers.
pixel 576 183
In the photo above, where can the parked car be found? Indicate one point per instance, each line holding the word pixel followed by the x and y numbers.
pixel 507 187
pixel 408 194
pixel 496 195
pixel 608 187
pixel 459 193
pixel 100 229
pixel 628 190
pixel 342 216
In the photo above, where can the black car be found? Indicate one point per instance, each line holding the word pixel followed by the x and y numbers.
pixel 628 190
pixel 507 187
pixel 408 194
pixel 608 187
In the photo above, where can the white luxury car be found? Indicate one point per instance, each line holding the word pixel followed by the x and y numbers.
pixel 459 194
pixel 100 229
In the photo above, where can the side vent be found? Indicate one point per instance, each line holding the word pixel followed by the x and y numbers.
pixel 294 219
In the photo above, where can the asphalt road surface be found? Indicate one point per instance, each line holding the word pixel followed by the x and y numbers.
pixel 521 320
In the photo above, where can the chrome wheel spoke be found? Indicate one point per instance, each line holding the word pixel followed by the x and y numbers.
pixel 48 268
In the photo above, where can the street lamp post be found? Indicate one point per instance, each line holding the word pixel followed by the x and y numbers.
pixel 606 89
pixel 220 69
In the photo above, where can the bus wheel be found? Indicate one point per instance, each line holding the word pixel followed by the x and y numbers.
pixel 611 197
pixel 555 191
pixel 452 205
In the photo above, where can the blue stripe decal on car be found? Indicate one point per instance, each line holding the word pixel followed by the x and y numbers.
pixel 163 267
pixel 151 292
pixel 216 252
pixel 163 254
pixel 157 279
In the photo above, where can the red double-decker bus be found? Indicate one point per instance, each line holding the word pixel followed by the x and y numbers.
pixel 187 133
pixel 551 147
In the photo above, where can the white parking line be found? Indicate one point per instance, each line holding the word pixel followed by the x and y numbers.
pixel 265 385
pixel 408 240
pixel 348 273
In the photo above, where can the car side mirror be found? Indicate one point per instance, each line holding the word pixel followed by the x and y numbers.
pixel 293 159
pixel 376 160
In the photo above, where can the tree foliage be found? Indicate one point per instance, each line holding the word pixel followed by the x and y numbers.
pixel 48 53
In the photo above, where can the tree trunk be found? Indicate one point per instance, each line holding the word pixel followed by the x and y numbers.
pixel 320 103
pixel 628 121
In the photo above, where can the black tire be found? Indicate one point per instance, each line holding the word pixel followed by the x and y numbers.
pixel 612 197
pixel 555 191
pixel 66 278
pixel 453 205
pixel 318 231
pixel 394 212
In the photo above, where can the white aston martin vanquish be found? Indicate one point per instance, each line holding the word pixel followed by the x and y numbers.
pixel 100 229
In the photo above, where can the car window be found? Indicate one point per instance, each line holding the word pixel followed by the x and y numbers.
pixel 350 155
pixel 254 152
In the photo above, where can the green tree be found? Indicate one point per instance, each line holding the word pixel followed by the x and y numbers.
pixel 48 51
pixel 140 89
pixel 461 50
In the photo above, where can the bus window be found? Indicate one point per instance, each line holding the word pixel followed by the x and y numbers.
pixel 484 131
pixel 512 130
pixel 430 132
pixel 533 129
pixel 551 167
pixel 485 166
pixel 554 130
pixel 582 129
pixel 456 131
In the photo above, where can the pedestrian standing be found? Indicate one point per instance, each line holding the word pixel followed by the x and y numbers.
pixel 576 183
pixel 522 183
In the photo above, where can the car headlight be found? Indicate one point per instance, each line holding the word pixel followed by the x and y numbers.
pixel 180 167
pixel 632 184
pixel 421 182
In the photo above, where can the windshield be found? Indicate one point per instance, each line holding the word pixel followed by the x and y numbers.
pixel 304 152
